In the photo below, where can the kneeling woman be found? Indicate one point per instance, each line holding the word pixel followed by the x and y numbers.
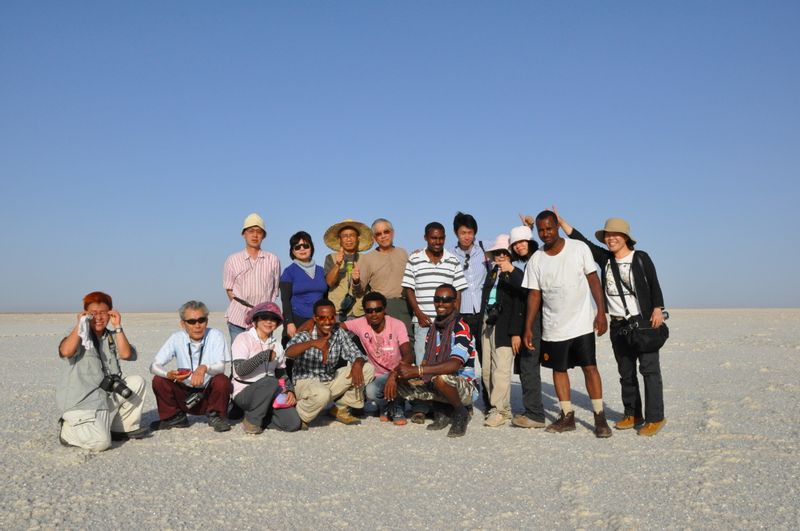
pixel 258 370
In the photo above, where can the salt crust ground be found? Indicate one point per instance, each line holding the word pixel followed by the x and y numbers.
pixel 728 456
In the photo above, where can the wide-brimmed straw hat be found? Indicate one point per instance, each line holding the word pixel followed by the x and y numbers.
pixel 253 220
pixel 331 237
pixel 501 243
pixel 521 233
pixel 615 225
pixel 264 310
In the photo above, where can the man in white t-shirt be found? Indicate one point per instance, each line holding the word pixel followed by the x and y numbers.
pixel 563 278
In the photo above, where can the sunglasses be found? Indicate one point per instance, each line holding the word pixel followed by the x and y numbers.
pixel 301 246
pixel 445 299
pixel 377 309
pixel 200 320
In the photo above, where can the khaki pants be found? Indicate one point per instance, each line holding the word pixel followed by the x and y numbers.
pixel 497 364
pixel 313 394
pixel 92 429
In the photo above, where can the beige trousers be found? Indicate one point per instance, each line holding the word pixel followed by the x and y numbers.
pixel 496 368
pixel 313 394
pixel 92 429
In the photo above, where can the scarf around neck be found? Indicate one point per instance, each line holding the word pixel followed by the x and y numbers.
pixel 445 328
pixel 309 267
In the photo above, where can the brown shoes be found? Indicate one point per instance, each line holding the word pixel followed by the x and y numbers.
pixel 628 422
pixel 651 428
pixel 564 423
pixel 250 428
pixel 524 421
pixel 601 429
pixel 343 415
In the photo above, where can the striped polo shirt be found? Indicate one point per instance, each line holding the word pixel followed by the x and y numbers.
pixel 424 276
pixel 254 280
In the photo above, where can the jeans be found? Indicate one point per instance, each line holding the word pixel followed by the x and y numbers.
pixel 235 330
pixel 420 333
pixel 374 391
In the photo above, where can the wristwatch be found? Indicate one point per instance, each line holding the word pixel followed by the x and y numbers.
pixel 118 330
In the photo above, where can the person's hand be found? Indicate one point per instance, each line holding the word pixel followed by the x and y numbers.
pixel 177 376
pixel 506 266
pixel 423 320
pixel 323 344
pixel 116 318
pixel 291 329
pixel 406 371
pixel 199 376
pixel 357 374
pixel 356 274
pixel 339 257
pixel 657 318
pixel 600 323
pixel 390 387
pixel 291 399
pixel 526 220
pixel 516 342
pixel 527 339
pixel 81 315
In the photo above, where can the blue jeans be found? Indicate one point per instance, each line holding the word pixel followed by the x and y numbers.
pixel 374 391
pixel 235 330
pixel 420 333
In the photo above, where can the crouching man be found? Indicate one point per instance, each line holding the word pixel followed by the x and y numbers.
pixel 97 403
pixel 198 384
pixel 445 377
pixel 317 376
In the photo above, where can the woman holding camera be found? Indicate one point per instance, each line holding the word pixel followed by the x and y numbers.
pixel 641 299
pixel 261 387
pixel 96 402
pixel 503 307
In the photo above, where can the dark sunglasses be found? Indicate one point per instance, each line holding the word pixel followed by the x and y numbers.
pixel 377 309
pixel 301 246
pixel 200 320
pixel 446 298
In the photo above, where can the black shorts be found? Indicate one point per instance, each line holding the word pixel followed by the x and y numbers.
pixel 563 355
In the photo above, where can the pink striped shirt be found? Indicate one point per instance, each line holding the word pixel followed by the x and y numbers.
pixel 254 280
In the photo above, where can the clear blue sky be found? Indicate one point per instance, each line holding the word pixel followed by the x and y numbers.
pixel 136 136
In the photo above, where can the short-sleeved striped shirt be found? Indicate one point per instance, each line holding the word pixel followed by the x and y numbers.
pixel 253 280
pixel 424 276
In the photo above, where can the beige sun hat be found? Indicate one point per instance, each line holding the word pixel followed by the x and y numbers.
pixel 501 243
pixel 615 225
pixel 331 237
pixel 253 220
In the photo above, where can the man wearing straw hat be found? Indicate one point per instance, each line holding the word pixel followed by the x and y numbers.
pixel 342 272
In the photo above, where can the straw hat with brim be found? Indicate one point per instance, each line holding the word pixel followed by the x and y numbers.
pixel 253 220
pixel 331 237
pixel 265 310
pixel 501 243
pixel 521 233
pixel 615 225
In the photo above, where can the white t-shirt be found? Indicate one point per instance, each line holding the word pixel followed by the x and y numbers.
pixel 567 307
pixel 615 306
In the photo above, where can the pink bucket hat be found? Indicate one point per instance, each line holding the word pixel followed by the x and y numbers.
pixel 265 310
pixel 501 243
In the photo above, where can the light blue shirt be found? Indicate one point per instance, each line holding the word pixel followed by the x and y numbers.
pixel 186 353
pixel 475 274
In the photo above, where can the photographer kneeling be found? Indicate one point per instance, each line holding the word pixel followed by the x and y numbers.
pixel 97 403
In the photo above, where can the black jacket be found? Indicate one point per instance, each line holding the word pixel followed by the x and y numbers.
pixel 511 301
pixel 648 290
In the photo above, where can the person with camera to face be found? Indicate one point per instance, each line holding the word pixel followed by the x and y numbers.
pixel 198 384
pixel 503 307
pixel 97 403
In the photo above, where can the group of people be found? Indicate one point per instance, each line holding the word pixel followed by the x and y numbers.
pixel 418 336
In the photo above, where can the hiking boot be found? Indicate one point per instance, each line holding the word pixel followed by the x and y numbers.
pixel 628 422
pixel 343 415
pixel 218 423
pixel 139 433
pixel 235 413
pixel 566 422
pixel 440 421
pixel 250 428
pixel 175 421
pixel 495 419
pixel 601 429
pixel 460 421
pixel 303 425
pixel 651 428
pixel 418 417
pixel 524 421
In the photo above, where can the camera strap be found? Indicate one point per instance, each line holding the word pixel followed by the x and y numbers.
pixel 112 348
pixel 612 262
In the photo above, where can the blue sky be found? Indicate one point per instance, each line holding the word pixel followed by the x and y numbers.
pixel 136 136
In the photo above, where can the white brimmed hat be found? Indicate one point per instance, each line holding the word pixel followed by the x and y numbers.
pixel 253 220
pixel 521 233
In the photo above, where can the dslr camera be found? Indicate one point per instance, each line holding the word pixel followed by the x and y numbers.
pixel 492 313
pixel 193 399
pixel 113 383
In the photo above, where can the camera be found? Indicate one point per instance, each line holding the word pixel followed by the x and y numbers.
pixel 347 304
pixel 113 383
pixel 492 313
pixel 193 399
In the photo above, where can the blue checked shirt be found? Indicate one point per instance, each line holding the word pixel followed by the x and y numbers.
pixel 309 363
